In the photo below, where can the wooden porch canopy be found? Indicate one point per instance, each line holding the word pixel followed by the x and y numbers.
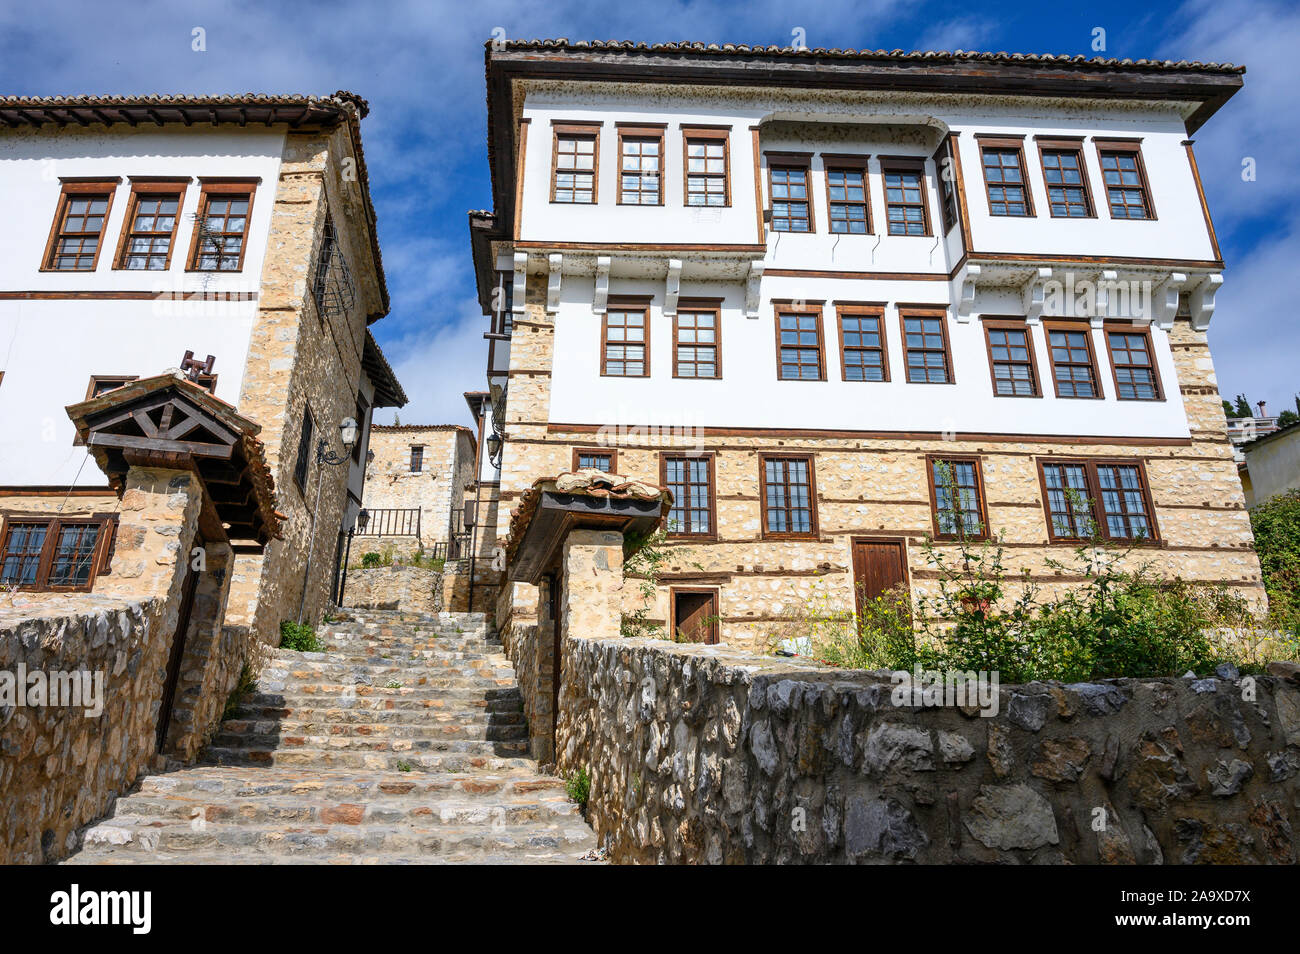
pixel 168 421
pixel 584 500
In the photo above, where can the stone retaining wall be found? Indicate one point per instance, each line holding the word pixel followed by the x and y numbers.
pixel 59 767
pixel 701 754
pixel 410 588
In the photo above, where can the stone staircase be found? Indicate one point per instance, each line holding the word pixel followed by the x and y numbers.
pixel 403 743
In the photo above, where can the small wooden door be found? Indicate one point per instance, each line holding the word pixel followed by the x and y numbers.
pixel 878 565
pixel 695 615
pixel 177 650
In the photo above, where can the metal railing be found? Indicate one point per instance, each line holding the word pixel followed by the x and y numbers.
pixel 390 523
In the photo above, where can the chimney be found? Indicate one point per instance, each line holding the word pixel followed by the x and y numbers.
pixel 1261 409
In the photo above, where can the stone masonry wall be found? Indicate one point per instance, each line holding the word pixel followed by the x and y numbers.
pixel 872 487
pixel 301 359
pixel 703 755
pixel 448 466
pixel 60 768
pixel 409 588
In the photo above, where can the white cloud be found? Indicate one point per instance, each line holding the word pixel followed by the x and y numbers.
pixel 964 33
pixel 437 364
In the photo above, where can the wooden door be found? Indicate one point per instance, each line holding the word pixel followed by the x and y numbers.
pixel 695 615
pixel 178 648
pixel 878 565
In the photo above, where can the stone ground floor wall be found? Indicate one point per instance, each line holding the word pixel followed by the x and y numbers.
pixel 408 588
pixel 701 754
pixel 874 488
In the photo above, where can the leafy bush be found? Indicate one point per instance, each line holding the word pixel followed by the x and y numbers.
pixel 1115 623
pixel 300 637
pixel 1276 524
pixel 371 560
pixel 578 786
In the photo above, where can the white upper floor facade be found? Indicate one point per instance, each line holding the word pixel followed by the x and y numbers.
pixel 855 259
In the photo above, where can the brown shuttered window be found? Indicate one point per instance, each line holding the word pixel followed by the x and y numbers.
pixel 696 343
pixel 303 459
pixel 800 354
pixel 78 231
pixel 707 161
pixel 1128 193
pixel 151 221
pixel 691 481
pixel 1068 196
pixel 957 498
pixel 789 496
pixel 38 553
pixel 905 208
pixel 1005 181
pixel 863 354
pixel 1133 363
pixel 1011 359
pixel 925 348
pixel 1074 367
pixel 625 342
pixel 641 163
pixel 1107 499
pixel 221 229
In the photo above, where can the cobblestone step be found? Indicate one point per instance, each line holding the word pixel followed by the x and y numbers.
pixel 291 729
pixel 324 763
pixel 379 761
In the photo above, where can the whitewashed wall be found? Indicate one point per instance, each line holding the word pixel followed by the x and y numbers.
pixel 49 348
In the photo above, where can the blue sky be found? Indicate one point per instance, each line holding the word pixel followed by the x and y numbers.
pixel 420 65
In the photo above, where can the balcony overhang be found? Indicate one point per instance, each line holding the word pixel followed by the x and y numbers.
pixel 169 422
pixel 585 500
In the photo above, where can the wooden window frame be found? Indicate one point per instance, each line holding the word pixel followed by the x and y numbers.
pixel 1086 329
pixel 1006 144
pixel 980 494
pixel 303 453
pixel 948 220
pixel 906 164
pixel 847 309
pixel 780 308
pixel 1117 327
pixel 1133 146
pixel 102 555
pixel 610 452
pixel 847 162
pixel 209 188
pixel 710 458
pixel 713 591
pixel 801 161
pixel 1011 323
pixel 1067 145
pixel 576 129
pixel 74 187
pixel 627 303
pixel 714 133
pixel 640 131
pixel 700 306
pixel 126 379
pixel 1097 511
pixel 815 532
pixel 149 186
pixel 920 311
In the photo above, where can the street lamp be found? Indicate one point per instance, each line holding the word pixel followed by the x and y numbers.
pixel 494 449
pixel 324 456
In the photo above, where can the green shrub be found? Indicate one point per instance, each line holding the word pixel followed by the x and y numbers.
pixel 371 560
pixel 246 683
pixel 1276 524
pixel 300 637
pixel 578 786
